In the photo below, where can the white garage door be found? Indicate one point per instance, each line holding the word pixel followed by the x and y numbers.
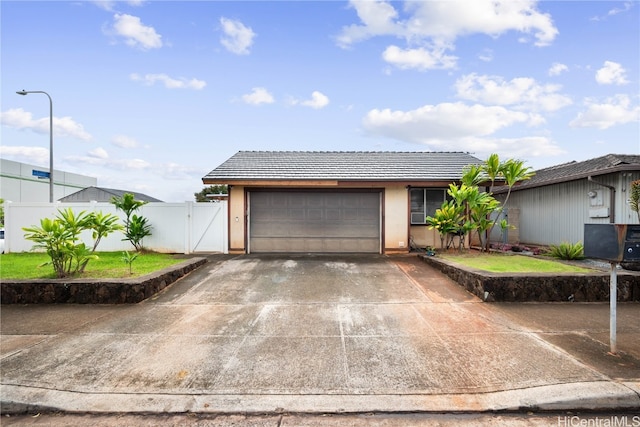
pixel 314 221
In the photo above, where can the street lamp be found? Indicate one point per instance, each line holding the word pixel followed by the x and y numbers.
pixel 24 92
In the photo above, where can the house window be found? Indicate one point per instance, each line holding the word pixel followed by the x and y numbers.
pixel 424 202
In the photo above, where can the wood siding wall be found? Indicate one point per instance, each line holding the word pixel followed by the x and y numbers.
pixel 557 213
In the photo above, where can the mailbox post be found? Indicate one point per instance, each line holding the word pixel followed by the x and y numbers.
pixel 615 243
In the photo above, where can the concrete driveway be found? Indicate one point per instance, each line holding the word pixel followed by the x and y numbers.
pixel 294 334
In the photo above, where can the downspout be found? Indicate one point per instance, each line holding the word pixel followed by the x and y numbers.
pixel 612 198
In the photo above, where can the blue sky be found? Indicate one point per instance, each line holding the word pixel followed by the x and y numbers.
pixel 152 95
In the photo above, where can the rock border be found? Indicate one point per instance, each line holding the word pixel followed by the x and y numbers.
pixel 538 287
pixel 94 291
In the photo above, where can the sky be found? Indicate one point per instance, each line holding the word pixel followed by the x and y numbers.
pixel 150 96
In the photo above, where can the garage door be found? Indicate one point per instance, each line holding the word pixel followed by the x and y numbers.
pixel 318 221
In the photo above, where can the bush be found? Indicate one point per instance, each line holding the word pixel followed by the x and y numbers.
pixel 567 251
pixel 60 238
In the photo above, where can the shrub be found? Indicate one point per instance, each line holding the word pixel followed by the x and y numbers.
pixel 567 251
pixel 136 227
pixel 60 238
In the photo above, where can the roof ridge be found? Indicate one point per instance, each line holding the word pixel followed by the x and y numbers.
pixel 352 151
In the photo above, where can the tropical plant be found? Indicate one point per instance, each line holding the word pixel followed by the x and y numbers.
pixel 514 171
pixel 567 251
pixel 60 238
pixel 473 175
pixel 511 172
pixel 634 200
pixel 482 207
pixel 448 221
pixel 129 258
pixel 136 227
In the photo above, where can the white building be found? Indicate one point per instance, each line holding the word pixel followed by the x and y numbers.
pixel 21 182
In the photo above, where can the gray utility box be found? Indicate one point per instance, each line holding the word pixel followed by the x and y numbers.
pixel 612 242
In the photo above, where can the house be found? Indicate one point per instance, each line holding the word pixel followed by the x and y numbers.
pixel 101 194
pixel 333 202
pixel 554 205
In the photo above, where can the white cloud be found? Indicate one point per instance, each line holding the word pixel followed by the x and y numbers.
pixel 611 73
pixel 522 92
pixel 378 18
pixel 124 141
pixel 136 34
pixel 432 27
pixel 62 126
pixel 99 157
pixel 169 82
pixel 460 127
pixel 318 100
pixel 615 11
pixel 36 155
pixel 178 172
pixel 109 5
pixel 419 58
pixel 486 55
pixel 556 69
pixel 237 37
pixel 614 111
pixel 99 153
pixel 258 95
pixel 436 124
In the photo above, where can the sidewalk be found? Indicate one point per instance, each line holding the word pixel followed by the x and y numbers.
pixel 316 335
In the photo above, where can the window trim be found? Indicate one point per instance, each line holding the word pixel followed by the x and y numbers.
pixel 445 197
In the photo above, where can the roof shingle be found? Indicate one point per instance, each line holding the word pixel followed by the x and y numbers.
pixel 572 171
pixel 342 165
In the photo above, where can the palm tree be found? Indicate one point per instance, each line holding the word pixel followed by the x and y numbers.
pixel 511 171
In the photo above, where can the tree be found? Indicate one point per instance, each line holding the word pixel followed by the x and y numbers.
pixel 136 227
pixel 510 171
pixel 212 189
pixel 1 212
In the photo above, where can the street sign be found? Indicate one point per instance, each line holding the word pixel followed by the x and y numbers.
pixel 40 174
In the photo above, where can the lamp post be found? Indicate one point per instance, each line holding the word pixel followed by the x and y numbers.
pixel 24 92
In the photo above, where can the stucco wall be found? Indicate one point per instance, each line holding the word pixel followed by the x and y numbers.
pixel 396 218
pixel 236 219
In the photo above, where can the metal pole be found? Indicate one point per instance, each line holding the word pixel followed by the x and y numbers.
pixel 24 92
pixel 613 301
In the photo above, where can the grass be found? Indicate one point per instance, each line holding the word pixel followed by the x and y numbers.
pixel 26 265
pixel 499 263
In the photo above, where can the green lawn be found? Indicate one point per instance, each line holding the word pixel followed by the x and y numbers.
pixel 499 263
pixel 26 265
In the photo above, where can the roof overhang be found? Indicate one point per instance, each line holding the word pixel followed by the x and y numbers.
pixel 524 185
pixel 327 183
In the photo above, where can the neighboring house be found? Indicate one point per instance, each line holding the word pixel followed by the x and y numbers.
pixel 22 182
pixel 100 194
pixel 332 202
pixel 554 205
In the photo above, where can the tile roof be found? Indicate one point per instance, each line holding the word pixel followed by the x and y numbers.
pixel 579 170
pixel 102 194
pixel 342 165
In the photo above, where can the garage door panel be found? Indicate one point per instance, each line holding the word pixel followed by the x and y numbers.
pixel 314 222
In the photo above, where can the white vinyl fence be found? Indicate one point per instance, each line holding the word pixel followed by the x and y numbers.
pixel 187 227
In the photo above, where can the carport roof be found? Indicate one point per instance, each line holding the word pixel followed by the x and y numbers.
pixel 341 166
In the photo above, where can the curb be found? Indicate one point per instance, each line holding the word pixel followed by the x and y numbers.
pixel 584 396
